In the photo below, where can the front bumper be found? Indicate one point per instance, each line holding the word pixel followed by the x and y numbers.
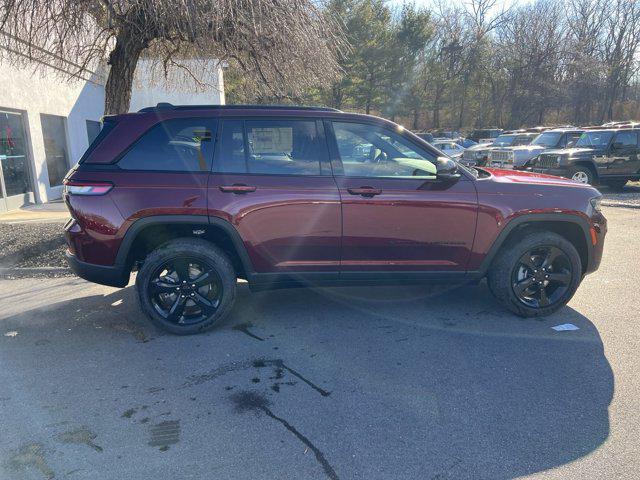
pixel 113 276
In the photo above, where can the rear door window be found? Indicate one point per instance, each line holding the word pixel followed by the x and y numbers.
pixel 181 145
pixel 271 147
pixel 626 139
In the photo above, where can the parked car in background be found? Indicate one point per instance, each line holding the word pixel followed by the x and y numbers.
pixel 451 134
pixel 287 196
pixel 485 135
pixel 479 154
pixel 426 136
pixel 465 142
pixel 450 147
pixel 518 157
pixel 605 156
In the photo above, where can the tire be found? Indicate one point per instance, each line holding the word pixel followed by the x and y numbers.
pixel 186 307
pixel 508 274
pixel 615 184
pixel 582 174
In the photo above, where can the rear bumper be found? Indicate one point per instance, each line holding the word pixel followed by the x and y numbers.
pixel 114 276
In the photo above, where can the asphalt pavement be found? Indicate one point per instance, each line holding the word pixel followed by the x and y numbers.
pixel 355 383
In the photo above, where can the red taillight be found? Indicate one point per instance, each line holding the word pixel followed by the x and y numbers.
pixel 87 188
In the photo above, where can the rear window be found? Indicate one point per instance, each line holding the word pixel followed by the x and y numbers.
pixel 181 145
pixel 107 126
pixel 271 147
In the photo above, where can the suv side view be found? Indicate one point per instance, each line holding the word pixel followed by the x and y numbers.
pixel 196 198
pixel 609 156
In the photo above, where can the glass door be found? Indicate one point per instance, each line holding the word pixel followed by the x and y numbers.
pixel 15 175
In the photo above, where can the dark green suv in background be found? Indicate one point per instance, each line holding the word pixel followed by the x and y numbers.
pixel 604 156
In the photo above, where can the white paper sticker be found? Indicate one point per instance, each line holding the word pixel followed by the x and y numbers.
pixel 565 327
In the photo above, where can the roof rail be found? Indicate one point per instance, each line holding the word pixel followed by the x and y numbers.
pixel 168 106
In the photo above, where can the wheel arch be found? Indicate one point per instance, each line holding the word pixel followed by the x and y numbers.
pixel 572 227
pixel 148 233
pixel 590 164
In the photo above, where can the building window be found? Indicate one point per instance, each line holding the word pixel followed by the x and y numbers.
pixel 93 129
pixel 55 147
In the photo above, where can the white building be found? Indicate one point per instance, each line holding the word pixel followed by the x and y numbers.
pixel 47 123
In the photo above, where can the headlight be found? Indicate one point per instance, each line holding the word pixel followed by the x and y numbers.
pixel 478 155
pixel 595 203
pixel 558 160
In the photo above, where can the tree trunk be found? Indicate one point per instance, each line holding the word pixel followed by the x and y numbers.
pixel 123 60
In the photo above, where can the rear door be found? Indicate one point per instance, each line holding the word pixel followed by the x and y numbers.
pixel 396 215
pixel 272 181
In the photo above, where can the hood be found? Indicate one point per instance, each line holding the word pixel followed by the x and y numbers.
pixel 527 148
pixel 569 151
pixel 481 147
pixel 530 178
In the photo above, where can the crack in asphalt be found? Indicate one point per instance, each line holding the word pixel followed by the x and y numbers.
pixel 247 401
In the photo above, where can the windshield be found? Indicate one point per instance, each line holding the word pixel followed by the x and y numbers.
pixel 594 139
pixel 505 140
pixel 548 139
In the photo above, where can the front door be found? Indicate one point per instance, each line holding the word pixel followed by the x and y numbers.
pixel 272 182
pixel 15 175
pixel 396 215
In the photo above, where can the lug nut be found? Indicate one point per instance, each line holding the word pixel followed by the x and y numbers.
pixel 193 294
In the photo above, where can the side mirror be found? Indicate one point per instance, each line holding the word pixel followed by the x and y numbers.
pixel 446 169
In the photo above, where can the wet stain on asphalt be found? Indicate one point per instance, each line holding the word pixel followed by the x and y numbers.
pixel 129 413
pixel 277 364
pixel 249 401
pixel 244 328
pixel 164 434
pixel 81 436
pixel 31 456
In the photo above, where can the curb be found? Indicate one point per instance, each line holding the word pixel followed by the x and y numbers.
pixel 620 205
pixel 5 271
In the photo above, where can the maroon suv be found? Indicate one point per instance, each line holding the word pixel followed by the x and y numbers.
pixel 197 197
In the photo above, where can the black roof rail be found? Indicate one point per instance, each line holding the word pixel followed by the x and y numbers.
pixel 168 106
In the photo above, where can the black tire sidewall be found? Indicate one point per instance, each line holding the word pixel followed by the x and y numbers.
pixel 500 274
pixel 194 248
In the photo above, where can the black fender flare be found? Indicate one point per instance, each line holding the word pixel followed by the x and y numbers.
pixel 533 218
pixel 136 227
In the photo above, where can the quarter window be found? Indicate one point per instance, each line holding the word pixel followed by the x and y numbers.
pixel 183 145
pixel 369 151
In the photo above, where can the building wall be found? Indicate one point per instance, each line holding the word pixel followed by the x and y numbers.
pixel 33 94
pixel 150 87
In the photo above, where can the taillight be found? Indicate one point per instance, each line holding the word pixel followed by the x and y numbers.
pixel 87 188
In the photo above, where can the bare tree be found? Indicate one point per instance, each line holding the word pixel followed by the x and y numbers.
pixel 288 45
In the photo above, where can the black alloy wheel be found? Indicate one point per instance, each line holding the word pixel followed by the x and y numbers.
pixel 542 276
pixel 185 290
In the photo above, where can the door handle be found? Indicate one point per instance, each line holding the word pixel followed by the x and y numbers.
pixel 237 188
pixel 365 191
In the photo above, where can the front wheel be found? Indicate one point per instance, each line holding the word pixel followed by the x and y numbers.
pixel 186 286
pixel 536 275
pixel 582 174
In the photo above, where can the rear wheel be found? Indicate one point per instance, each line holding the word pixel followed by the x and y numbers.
pixel 582 174
pixel 536 275
pixel 186 286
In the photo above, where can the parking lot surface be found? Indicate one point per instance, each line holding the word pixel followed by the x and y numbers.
pixel 373 383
